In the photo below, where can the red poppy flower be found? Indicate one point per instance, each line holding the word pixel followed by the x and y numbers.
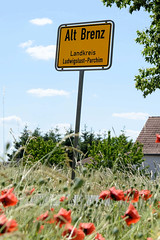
pixel 131 214
pixel 149 238
pixel 99 237
pixel 87 228
pixel 63 217
pixel 76 234
pixel 131 195
pixel 7 198
pixel 63 198
pixel 29 192
pixel 145 194
pixel 104 194
pixel 157 138
pixel 43 216
pixel 115 194
pixel 6 225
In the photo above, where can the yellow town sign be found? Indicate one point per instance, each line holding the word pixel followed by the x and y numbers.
pixel 85 46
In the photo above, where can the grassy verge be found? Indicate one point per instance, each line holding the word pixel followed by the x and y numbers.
pixel 50 184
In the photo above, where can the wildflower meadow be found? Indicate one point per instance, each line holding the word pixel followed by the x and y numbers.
pixel 41 202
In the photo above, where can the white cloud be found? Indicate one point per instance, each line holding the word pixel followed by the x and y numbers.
pixel 131 134
pixel 39 92
pixel 11 120
pixel 26 44
pixel 132 115
pixel 42 52
pixel 41 21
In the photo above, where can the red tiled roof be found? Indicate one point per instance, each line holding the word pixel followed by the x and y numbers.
pixel 148 136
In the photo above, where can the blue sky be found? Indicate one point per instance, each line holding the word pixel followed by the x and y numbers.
pixel 32 92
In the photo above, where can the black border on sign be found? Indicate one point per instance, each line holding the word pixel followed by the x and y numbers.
pixel 100 65
pixel 97 67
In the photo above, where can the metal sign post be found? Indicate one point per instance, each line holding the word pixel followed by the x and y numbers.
pixel 78 116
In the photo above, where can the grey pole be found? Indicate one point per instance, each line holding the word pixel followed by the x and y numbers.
pixel 78 116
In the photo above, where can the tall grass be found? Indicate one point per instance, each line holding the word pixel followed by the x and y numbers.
pixel 52 183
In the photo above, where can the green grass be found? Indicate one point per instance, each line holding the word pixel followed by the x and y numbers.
pixel 52 183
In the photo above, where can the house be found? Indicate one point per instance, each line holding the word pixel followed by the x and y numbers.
pixel 151 148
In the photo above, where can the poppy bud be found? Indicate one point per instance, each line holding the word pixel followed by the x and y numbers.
pixel 78 183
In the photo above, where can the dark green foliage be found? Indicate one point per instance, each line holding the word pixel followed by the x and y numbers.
pixel 106 151
pixel 148 79
pixel 33 146
pixel 19 145
pixel 115 152
pixel 37 132
pixel 52 135
pixel 44 151
pixel 133 5
pixel 86 140
pixel 68 143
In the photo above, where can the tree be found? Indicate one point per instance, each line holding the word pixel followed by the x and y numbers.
pixel 45 142
pixel 68 144
pixel 148 79
pixel 116 153
pixel 53 135
pixel 86 140
pixel 28 138
pixel 45 151
pixel 33 146
pixel 19 145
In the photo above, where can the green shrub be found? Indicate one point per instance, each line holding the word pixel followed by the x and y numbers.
pixel 44 151
pixel 115 152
